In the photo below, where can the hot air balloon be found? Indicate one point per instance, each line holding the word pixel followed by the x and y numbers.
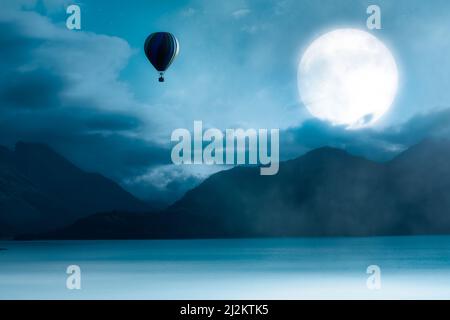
pixel 161 48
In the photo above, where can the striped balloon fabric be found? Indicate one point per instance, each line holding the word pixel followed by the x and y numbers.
pixel 161 48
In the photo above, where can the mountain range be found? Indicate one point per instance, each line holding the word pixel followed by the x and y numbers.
pixel 326 192
pixel 41 191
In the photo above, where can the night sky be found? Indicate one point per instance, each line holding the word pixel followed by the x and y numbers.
pixel 93 96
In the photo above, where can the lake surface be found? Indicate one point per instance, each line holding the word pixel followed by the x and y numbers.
pixel 411 268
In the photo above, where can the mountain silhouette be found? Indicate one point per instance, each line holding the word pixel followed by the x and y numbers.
pixel 326 192
pixel 40 191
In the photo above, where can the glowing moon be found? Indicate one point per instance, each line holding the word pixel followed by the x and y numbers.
pixel 348 77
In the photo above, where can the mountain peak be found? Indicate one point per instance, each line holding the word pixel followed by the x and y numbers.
pixel 25 144
pixel 35 148
pixel 427 151
pixel 327 154
pixel 432 143
pixel 5 152
pixel 326 192
pixel 328 151
pixel 37 158
pixel 42 185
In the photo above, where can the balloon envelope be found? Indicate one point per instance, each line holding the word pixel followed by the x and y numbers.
pixel 161 48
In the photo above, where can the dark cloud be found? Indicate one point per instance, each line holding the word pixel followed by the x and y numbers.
pixel 113 122
pixel 34 89
pixel 379 145
pixel 431 124
pixel 15 45
pixel 52 92
pixel 114 155
pixel 106 151
pixel 24 84
pixel 63 89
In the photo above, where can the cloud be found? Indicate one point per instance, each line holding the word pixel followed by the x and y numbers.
pixel 376 144
pixel 188 12
pixel 63 88
pixel 169 182
pixel 240 13
pixel 230 73
pixel 33 89
pixel 89 64
pixel 111 122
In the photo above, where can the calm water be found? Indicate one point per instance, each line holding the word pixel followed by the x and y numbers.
pixel 411 267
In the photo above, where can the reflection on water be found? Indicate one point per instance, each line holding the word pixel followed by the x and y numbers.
pixel 411 267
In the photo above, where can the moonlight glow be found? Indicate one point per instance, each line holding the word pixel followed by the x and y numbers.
pixel 348 77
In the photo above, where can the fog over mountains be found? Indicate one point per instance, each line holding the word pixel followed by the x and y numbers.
pixel 326 192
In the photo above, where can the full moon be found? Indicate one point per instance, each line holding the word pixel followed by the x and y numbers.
pixel 348 77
